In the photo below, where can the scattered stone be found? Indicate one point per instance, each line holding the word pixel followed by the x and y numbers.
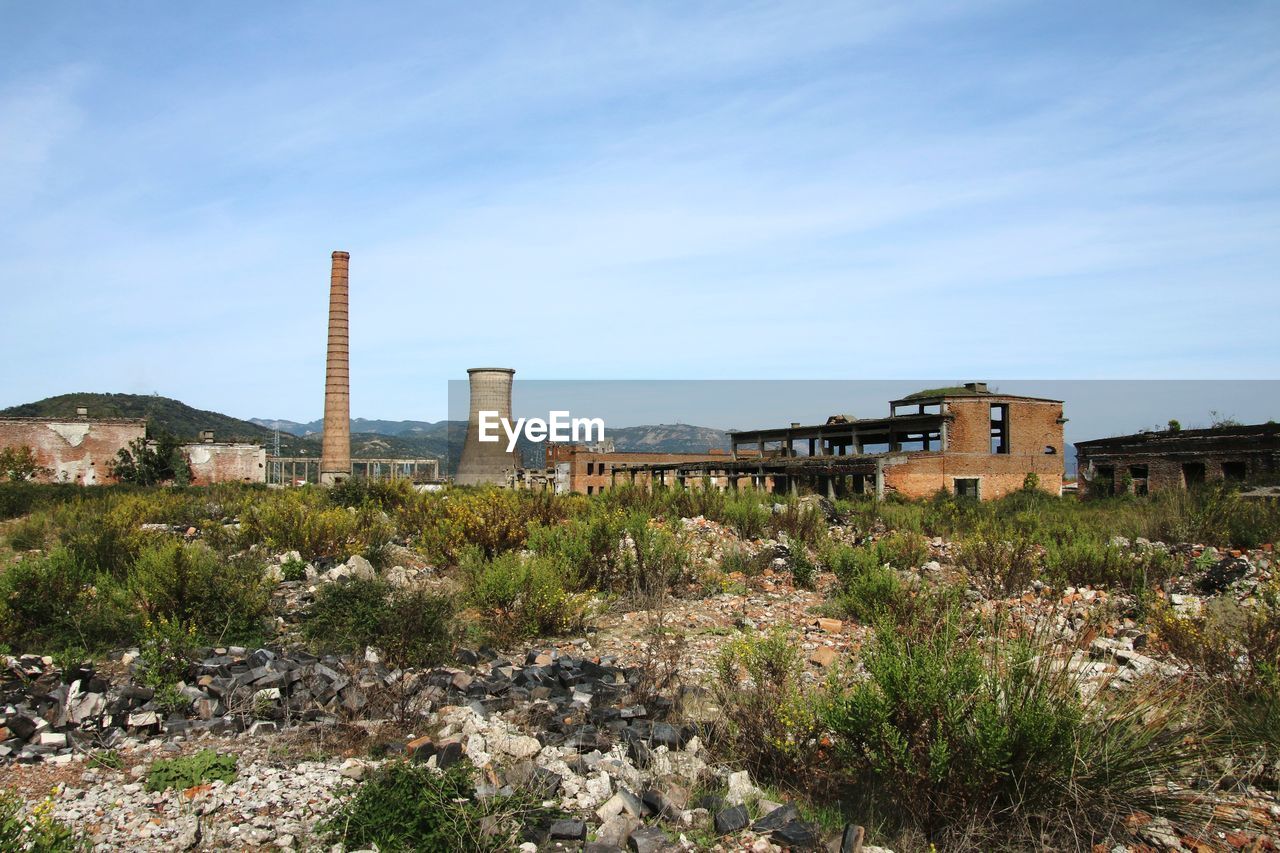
pixel 731 819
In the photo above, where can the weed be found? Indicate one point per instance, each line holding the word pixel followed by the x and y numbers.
pixel 406 807
pixel 190 770
pixel 38 832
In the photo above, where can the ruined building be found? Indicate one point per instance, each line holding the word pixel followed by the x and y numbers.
pixel 335 448
pixel 588 468
pixel 1179 459
pixel 225 462
pixel 487 461
pixel 73 450
pixel 965 440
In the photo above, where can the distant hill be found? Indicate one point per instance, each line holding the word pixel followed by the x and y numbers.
pixel 162 414
pixel 357 425
pixel 370 438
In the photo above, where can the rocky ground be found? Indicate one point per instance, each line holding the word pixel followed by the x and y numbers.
pixel 606 727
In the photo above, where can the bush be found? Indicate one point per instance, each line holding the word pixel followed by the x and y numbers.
pixel 903 550
pixel 770 724
pixel 1234 650
pixel 958 732
pixel 190 770
pixel 30 534
pixel 406 807
pixel 520 597
pixel 1084 560
pixel 804 573
pixel 1000 566
pixel 39 832
pixel 742 561
pixel 166 651
pixel 50 603
pixel 300 520
pixel 411 627
pixel 867 586
pixel 190 584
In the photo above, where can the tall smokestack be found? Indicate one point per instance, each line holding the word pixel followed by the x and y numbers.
pixel 335 451
pixel 482 461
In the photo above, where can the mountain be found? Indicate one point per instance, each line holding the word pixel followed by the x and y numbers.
pixel 357 425
pixel 163 414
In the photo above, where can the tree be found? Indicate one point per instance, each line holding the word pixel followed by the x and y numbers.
pixel 1175 425
pixel 19 463
pixel 147 462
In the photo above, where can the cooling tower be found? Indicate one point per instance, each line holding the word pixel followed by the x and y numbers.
pixel 335 450
pixel 483 461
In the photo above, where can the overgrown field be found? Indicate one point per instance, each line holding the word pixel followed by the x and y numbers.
pixel 970 717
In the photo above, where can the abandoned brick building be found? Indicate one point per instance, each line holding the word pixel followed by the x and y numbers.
pixel 81 450
pixel 588 468
pixel 73 450
pixel 1178 459
pixel 225 462
pixel 965 440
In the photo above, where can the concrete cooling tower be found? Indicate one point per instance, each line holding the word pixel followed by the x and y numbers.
pixel 335 448
pixel 482 461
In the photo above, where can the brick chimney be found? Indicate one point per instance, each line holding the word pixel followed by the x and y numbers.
pixel 335 449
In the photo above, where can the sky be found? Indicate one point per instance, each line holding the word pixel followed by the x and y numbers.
pixel 754 191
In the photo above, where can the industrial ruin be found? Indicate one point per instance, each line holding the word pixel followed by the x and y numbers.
pixel 964 440
pixel 1155 461
pixel 483 461
pixel 73 450
pixel 335 453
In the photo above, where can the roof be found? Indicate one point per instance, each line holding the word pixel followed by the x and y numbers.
pixel 1250 432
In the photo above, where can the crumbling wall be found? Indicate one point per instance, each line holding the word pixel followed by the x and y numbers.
pixel 1034 428
pixel 73 451
pixel 226 463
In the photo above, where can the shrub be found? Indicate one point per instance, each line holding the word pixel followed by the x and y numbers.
pixel 190 770
pixel 49 603
pixel 656 560
pixel 744 562
pixel 746 515
pixel 1235 651
pixel 411 627
pixel 38 832
pixel 1084 560
pixel 18 464
pixel 1000 566
pixel 30 534
pixel 867 586
pixel 770 723
pixel 406 807
pixel 903 550
pixel 803 523
pixel 293 570
pixel 520 597
pixel 189 583
pixel 589 550
pixel 956 731
pixel 299 520
pixel 166 651
pixel 803 572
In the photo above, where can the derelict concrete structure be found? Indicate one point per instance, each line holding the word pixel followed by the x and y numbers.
pixel 335 449
pixel 484 461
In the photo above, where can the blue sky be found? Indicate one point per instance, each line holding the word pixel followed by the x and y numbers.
pixel 606 190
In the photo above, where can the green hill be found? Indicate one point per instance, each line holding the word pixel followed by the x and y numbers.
pixel 163 414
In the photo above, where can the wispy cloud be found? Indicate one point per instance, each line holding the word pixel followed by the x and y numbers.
pixel 757 190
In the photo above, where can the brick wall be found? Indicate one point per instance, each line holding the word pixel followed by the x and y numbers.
pixel 226 463
pixel 1032 428
pixel 74 451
